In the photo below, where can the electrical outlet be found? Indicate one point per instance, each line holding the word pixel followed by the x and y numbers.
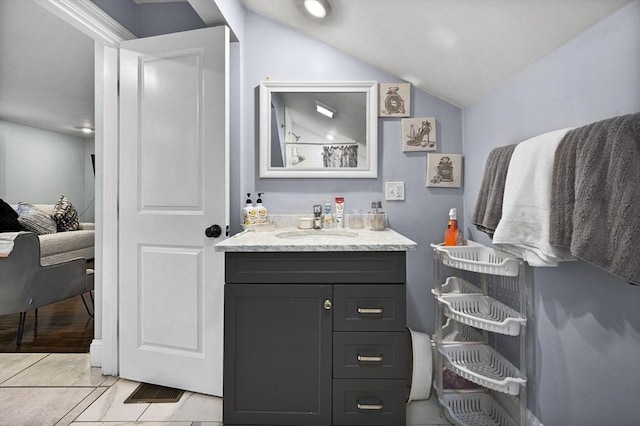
pixel 394 191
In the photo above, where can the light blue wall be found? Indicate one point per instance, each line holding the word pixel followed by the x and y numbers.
pixel 37 166
pixel 270 50
pixel 587 324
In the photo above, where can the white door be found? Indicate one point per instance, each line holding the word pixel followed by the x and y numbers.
pixel 173 185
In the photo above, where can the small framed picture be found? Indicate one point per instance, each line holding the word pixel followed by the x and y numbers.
pixel 444 170
pixel 394 99
pixel 418 134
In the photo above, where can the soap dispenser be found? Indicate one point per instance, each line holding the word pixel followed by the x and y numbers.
pixel 453 236
pixel 249 215
pixel 261 210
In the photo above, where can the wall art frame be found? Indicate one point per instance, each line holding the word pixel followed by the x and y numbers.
pixel 394 99
pixel 419 134
pixel 444 170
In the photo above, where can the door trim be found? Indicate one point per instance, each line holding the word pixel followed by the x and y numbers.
pixel 108 34
pixel 89 19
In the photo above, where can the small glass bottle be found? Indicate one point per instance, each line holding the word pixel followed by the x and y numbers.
pixel 378 217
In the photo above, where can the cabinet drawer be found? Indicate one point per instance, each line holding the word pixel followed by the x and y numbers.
pixel 370 355
pixel 369 402
pixel 369 307
pixel 315 267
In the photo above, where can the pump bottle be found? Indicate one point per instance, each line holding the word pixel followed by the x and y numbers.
pixel 249 214
pixel 451 234
pixel 261 210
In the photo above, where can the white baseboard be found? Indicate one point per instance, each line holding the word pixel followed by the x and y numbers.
pixel 95 353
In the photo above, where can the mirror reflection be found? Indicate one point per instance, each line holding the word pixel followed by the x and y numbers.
pixel 318 130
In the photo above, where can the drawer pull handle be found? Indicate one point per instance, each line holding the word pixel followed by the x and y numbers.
pixel 369 406
pixel 364 358
pixel 370 311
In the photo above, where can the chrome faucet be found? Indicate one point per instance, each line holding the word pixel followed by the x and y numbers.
pixel 317 216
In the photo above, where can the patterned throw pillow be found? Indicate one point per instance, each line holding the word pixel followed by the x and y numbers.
pixel 8 218
pixel 35 220
pixel 65 215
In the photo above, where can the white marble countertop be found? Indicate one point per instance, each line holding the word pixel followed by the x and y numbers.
pixel 338 239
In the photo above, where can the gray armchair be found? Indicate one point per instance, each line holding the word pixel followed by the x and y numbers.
pixel 25 284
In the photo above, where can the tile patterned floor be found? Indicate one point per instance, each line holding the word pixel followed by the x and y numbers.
pixel 62 390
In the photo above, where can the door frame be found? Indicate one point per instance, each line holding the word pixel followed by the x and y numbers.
pixel 107 34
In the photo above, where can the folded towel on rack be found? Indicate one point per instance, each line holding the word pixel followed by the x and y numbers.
pixel 524 227
pixel 595 196
pixel 488 210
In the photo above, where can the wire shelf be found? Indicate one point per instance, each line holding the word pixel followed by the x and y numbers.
pixel 477 258
pixel 453 331
pixel 474 409
pixel 482 312
pixel 457 285
pixel 483 365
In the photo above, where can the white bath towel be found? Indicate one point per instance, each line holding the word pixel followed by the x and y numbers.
pixel 6 242
pixel 523 229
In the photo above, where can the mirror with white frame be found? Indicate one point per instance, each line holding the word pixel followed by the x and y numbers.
pixel 318 129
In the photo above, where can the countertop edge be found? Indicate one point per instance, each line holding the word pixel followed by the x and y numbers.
pixel 252 241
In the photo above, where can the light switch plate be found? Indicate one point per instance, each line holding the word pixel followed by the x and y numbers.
pixel 394 191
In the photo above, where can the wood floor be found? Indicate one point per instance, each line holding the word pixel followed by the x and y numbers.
pixel 61 327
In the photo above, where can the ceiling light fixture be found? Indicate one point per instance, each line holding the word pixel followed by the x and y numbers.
pixel 325 109
pixel 317 8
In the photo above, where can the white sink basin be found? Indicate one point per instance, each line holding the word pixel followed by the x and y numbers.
pixel 316 233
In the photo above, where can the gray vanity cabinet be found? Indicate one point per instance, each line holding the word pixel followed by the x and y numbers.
pixel 315 338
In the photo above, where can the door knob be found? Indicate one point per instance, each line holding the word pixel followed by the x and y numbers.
pixel 214 231
pixel 327 304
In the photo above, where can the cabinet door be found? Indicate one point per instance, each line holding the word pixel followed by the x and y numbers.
pixel 278 349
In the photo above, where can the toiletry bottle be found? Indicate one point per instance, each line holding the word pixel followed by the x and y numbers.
pixel 249 215
pixel 339 212
pixel 382 218
pixel 261 210
pixel 451 234
pixel 317 216
pixel 327 217
pixel 378 217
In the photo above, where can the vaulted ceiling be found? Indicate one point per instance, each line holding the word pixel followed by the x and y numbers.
pixel 457 50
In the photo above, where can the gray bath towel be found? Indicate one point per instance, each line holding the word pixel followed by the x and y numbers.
pixel 595 195
pixel 488 210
